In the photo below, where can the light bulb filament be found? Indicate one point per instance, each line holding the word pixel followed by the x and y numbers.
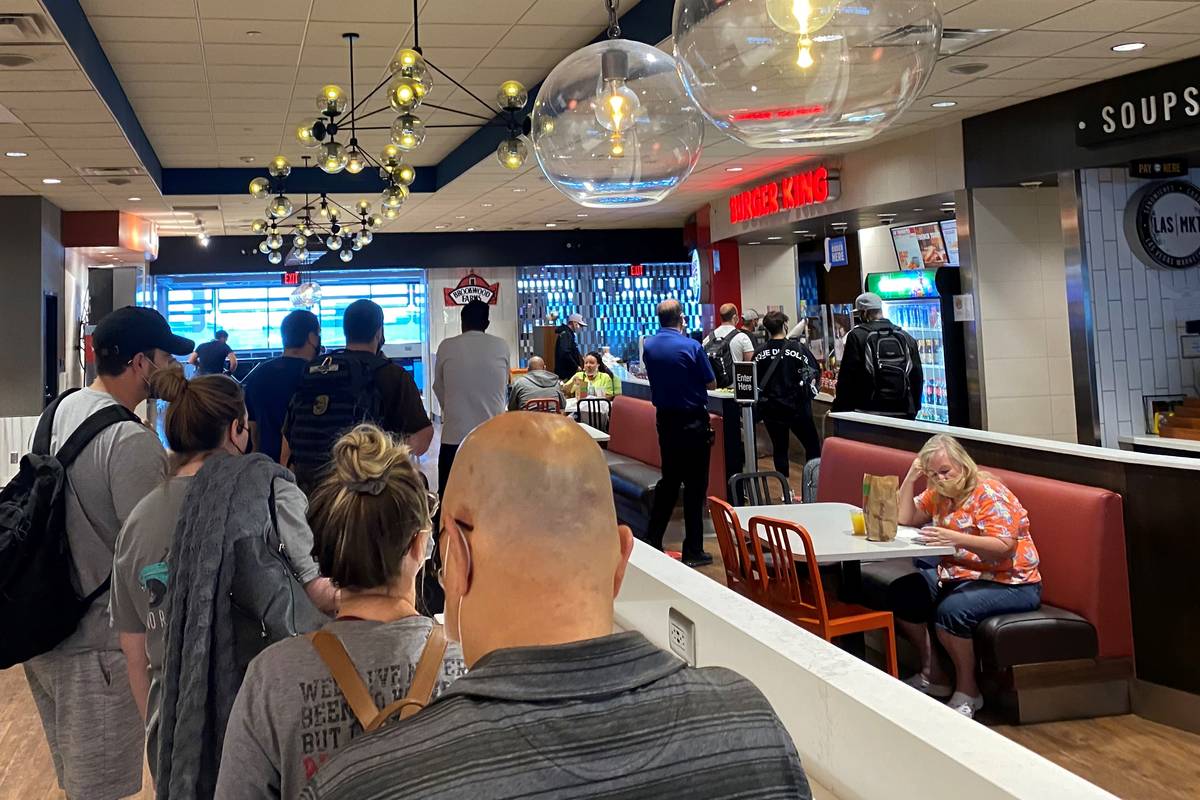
pixel 805 58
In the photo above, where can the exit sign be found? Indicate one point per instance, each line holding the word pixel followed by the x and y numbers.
pixel 290 279
pixel 636 270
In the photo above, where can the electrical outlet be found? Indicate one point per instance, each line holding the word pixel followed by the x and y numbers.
pixel 681 633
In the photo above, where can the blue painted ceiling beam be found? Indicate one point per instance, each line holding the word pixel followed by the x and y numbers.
pixel 649 22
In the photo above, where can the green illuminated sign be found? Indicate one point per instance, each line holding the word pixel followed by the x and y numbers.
pixel 907 285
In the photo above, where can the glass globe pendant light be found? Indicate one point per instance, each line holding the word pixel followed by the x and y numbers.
pixel 512 95
pixel 260 188
pixel 355 163
pixel 264 247
pixel 307 134
pixel 613 126
pixel 804 73
pixel 333 242
pixel 394 196
pixel 408 132
pixel 346 255
pixel 275 257
pixel 331 101
pixel 279 167
pixel 279 207
pixel 334 158
pixel 258 225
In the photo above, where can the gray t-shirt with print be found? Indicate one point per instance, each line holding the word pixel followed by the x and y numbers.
pixel 111 476
pixel 290 717
pixel 140 578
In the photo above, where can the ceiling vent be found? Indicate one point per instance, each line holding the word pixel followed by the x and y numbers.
pixel 196 209
pixel 110 172
pixel 954 40
pixel 25 29
pixel 15 60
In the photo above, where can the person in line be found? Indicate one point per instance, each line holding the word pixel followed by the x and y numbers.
pixel 351 386
pixel 567 707
pixel 881 365
pixel 594 380
pixel 210 358
pixel 82 696
pixel 536 384
pixel 241 577
pixel 372 526
pixel 471 373
pixel 740 345
pixel 787 376
pixel 270 386
pixel 993 571
pixel 204 417
pixel 567 358
pixel 680 376
pixel 752 327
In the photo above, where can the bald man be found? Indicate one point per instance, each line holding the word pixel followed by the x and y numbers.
pixel 556 705
pixel 537 383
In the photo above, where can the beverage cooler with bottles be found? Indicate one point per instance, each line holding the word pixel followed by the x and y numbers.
pixel 922 303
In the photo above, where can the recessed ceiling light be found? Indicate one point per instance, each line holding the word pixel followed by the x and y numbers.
pixel 470 229
pixel 886 216
pixel 949 203
pixel 51 181
pixel 1128 47
pixel 254 34
pixel 485 205
pixel 461 216
pixel 734 169
pixel 246 159
pixel 439 227
pixel 755 242
pixel 518 191
pixel 801 232
pixel 581 216
pixel 774 238
pixel 944 104
pixel 918 209
pixel 135 199
pixel 551 224
pixel 972 68
pixel 16 154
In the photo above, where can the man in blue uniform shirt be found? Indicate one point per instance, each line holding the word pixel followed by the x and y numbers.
pixel 680 377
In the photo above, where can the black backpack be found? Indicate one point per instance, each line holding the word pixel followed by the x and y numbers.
pixel 889 362
pixel 335 394
pixel 721 357
pixel 39 604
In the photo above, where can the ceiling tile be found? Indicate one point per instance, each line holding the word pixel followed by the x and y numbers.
pixel 1156 45
pixel 495 12
pixel 561 36
pixel 1055 68
pixel 157 73
pixel 1182 22
pixel 140 8
pixel 57 80
pixel 144 29
pixel 235 31
pixel 152 53
pixel 1007 14
pixel 252 55
pixel 1109 15
pixel 462 35
pixel 362 11
pixel 1033 44
pixel 240 9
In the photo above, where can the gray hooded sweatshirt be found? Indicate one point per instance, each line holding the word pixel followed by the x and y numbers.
pixel 532 386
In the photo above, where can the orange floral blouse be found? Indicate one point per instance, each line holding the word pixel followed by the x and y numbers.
pixel 991 510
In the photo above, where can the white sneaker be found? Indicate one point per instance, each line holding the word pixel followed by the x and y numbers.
pixel 965 704
pixel 922 685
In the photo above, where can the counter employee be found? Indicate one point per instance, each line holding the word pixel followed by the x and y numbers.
pixel 680 377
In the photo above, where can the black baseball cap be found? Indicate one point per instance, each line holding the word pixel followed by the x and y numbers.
pixel 132 330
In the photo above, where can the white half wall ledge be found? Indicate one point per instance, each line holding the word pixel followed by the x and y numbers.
pixel 860 733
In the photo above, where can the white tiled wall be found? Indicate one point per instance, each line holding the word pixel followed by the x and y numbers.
pixel 1026 345
pixel 444 321
pixel 768 275
pixel 1138 312
pixel 876 250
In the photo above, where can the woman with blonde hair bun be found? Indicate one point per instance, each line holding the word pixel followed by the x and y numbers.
pixel 993 571
pixel 173 584
pixel 371 517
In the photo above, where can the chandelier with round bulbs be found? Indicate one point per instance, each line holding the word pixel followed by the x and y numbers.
pixel 408 86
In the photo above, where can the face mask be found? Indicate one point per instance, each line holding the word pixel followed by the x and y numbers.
pixel 249 448
pixel 953 488
pixel 457 637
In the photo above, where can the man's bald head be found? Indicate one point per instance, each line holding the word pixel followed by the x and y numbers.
pixel 537 363
pixel 670 313
pixel 532 550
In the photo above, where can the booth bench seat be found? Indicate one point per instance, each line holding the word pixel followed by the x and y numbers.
pixel 1073 656
pixel 635 464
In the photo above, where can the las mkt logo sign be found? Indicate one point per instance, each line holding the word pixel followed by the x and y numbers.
pixel 472 287
pixel 809 188
pixel 1162 225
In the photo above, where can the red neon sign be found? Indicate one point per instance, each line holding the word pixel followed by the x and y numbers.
pixel 636 270
pixel 779 113
pixel 794 191
pixel 290 279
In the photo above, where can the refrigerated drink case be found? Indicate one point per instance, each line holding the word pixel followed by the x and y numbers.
pixel 922 303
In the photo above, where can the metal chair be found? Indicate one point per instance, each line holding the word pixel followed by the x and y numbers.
pixel 754 488
pixel 594 411
pixel 547 405
pixel 780 589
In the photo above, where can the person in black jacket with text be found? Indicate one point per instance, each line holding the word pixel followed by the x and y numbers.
pixel 787 372
pixel 567 358
pixel 881 366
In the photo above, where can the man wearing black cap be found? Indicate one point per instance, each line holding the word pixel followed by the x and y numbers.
pixel 881 365
pixel 80 687
pixel 567 358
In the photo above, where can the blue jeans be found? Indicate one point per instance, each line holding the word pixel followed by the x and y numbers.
pixel 958 606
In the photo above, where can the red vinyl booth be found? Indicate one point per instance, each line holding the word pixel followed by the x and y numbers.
pixel 1080 535
pixel 635 464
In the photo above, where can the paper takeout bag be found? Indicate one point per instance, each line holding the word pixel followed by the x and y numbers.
pixel 880 493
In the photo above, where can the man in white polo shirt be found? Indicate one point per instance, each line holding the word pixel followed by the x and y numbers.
pixel 740 346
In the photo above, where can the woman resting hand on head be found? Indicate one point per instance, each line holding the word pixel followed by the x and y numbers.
pixel 371 520
pixel 993 571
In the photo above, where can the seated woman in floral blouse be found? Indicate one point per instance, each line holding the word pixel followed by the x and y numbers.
pixel 994 569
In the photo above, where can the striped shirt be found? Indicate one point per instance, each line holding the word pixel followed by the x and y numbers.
pixel 614 717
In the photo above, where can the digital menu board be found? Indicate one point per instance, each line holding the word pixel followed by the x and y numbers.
pixel 920 246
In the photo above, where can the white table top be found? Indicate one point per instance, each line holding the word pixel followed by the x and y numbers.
pixel 597 435
pixel 1163 442
pixel 828 524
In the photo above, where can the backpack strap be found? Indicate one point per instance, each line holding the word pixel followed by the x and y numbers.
pixel 45 426
pixel 331 650
pixel 92 427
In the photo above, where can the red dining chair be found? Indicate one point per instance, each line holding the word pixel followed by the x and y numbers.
pixel 735 553
pixel 783 592
pixel 546 405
